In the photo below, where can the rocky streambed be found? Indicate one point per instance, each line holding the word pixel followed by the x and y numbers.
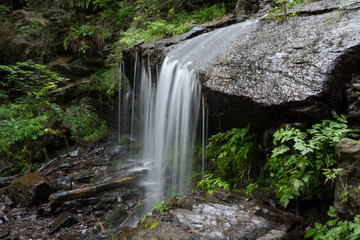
pixel 92 193
pixel 83 194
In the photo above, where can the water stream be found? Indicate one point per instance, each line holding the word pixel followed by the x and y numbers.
pixel 165 112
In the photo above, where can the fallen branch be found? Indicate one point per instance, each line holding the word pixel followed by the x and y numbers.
pixel 63 196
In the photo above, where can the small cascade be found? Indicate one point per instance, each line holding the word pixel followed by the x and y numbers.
pixel 124 97
pixel 165 110
pixel 171 113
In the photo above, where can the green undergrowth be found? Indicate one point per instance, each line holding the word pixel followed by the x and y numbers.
pixel 85 123
pixel 31 124
pixel 232 160
pixel 335 229
pixel 301 162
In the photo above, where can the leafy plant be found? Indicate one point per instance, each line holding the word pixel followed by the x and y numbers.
pixel 27 79
pixel 105 81
pixel 232 155
pixel 300 159
pixel 335 229
pixel 4 11
pixel 210 184
pixel 27 119
pixel 84 123
pixel 160 207
pixel 281 8
pixel 85 37
pixel 80 3
pixel 30 29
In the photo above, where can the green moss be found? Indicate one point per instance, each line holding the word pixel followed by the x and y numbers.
pixel 148 223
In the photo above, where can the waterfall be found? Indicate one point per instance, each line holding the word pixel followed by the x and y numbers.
pixel 165 110
pixel 170 117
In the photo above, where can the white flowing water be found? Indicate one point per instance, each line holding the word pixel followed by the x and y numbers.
pixel 165 111
pixel 170 120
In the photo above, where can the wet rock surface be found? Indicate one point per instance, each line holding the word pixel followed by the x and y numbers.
pixel 101 169
pixel 268 72
pixel 224 215
pixel 29 189
pixel 347 195
pixel 293 70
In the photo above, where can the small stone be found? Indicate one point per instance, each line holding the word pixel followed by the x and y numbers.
pixel 63 220
pixel 74 153
pixel 8 201
pixel 356 86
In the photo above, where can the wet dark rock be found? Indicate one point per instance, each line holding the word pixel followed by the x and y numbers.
pixel 29 189
pixel 45 209
pixel 63 220
pixel 4 233
pixel 85 178
pixel 347 196
pixel 192 33
pixel 4 181
pixel 64 183
pixel 353 102
pixel 349 151
pixel 116 215
pixel 242 9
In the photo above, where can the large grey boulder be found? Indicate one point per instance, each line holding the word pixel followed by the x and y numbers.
pixel 268 72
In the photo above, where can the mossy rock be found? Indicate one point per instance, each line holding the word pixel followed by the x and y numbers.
pixel 148 223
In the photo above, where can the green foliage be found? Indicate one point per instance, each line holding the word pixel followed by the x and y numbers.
pixel 335 229
pixel 232 155
pixel 281 9
pixel 85 37
pixel 27 80
pixel 216 11
pixel 84 123
pixel 300 159
pixel 160 207
pixel 27 119
pixel 29 29
pixel 105 81
pixel 210 184
pixel 151 24
pixel 80 3
pixel 4 11
pixel 155 31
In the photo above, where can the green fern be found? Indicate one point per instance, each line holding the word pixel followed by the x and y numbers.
pixel 300 159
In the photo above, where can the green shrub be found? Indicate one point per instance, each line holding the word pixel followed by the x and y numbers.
pixel 335 229
pixel 105 81
pixel 85 37
pixel 301 159
pixel 216 11
pixel 84 123
pixel 26 120
pixel 4 11
pixel 210 184
pixel 232 156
